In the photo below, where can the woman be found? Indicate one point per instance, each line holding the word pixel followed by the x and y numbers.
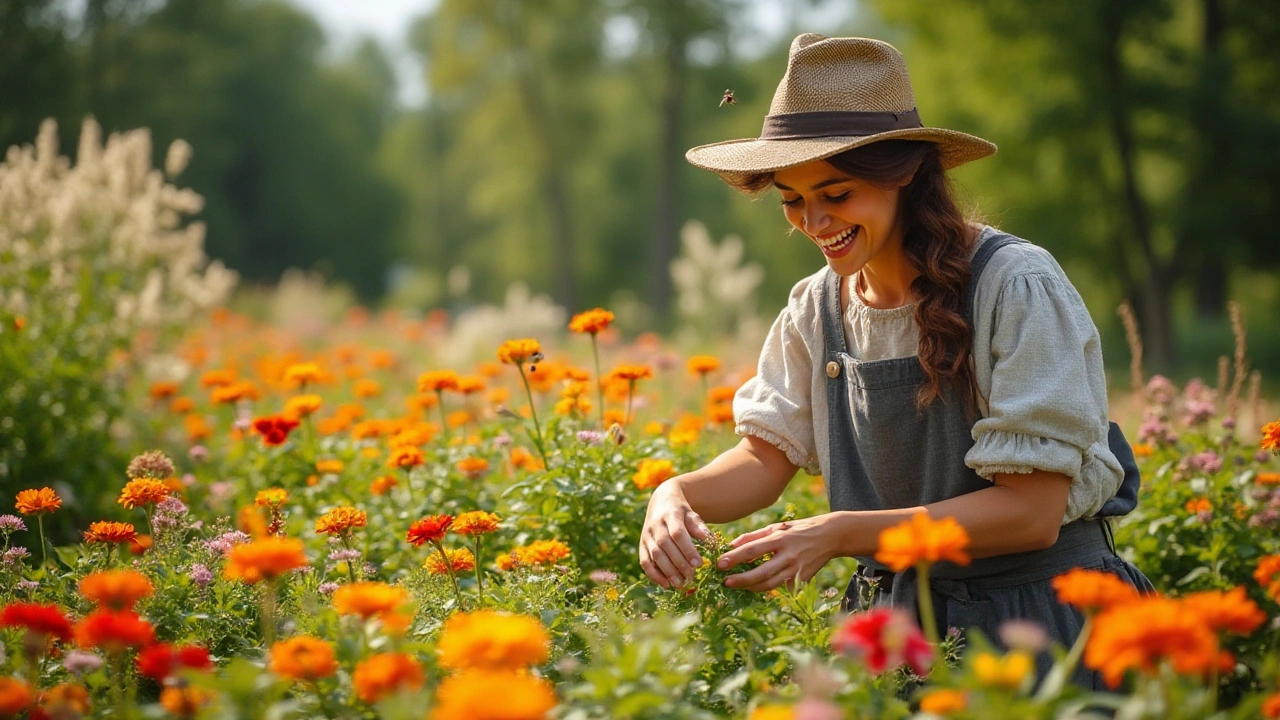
pixel 934 365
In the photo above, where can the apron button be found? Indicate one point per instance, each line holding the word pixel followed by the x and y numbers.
pixel 833 370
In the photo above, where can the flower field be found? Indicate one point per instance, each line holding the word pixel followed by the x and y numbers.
pixel 352 530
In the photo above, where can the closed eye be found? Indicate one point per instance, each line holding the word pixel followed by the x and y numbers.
pixel 829 198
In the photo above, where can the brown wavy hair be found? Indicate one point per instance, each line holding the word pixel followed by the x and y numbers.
pixel 938 241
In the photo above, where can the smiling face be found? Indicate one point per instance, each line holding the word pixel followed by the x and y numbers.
pixel 852 221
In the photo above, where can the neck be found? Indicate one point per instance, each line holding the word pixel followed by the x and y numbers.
pixel 885 281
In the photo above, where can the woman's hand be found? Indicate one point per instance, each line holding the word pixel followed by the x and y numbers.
pixel 800 549
pixel 667 553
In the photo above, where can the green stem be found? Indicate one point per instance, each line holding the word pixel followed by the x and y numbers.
pixel 351 568
pixel 444 419
pixel 595 353
pixel 448 566
pixel 116 681
pixel 706 393
pixel 479 574
pixel 631 392
pixel 408 486
pixel 44 554
pixel 269 615
pixel 1213 676
pixel 537 440
pixel 924 596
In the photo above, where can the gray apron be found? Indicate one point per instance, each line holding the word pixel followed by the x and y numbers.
pixel 886 455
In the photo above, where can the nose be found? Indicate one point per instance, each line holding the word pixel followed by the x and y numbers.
pixel 815 218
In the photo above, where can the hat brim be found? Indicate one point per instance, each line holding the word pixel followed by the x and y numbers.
pixel 736 160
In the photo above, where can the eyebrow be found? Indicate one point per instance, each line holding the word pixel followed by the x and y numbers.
pixel 819 186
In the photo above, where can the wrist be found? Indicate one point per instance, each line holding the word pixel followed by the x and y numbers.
pixel 841 527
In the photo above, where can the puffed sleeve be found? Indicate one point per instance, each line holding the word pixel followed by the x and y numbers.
pixel 775 405
pixel 1047 406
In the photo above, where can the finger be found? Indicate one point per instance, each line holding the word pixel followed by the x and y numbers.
pixel 651 568
pixel 764 578
pixel 666 567
pixel 748 552
pixel 753 535
pixel 696 526
pixel 684 545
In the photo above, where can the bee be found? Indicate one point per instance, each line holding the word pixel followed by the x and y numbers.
pixel 728 98
pixel 534 359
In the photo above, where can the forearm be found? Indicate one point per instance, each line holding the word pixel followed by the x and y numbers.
pixel 1017 513
pixel 748 477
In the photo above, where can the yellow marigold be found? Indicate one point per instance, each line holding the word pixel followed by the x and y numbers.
pixel 330 467
pixel 107 531
pixel 271 497
pixel 455 561
pixel 944 702
pixel 518 352
pixel 368 388
pixel 265 558
pixel 437 381
pixel 38 501
pixel 406 456
pixel 773 712
pixel 300 406
pixel 185 701
pixel 577 406
pixel 384 674
pixel 1093 590
pixel 591 321
pixel 382 484
pixel 1008 672
pixel 116 589
pixel 1271 437
pixel 473 467
pixel 923 540
pixel 469 695
pixel 1230 611
pixel 1142 634
pixel 143 491
pixel 368 599
pixel 652 473
pixel 303 658
pixel 341 520
pixel 631 373
pixel 302 374
pixel 703 364
pixel 492 640
pixel 475 522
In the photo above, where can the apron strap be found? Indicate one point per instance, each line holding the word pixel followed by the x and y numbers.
pixel 979 263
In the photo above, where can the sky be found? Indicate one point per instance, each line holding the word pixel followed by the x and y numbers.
pixel 388 21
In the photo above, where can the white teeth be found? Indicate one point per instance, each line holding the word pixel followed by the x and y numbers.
pixel 839 241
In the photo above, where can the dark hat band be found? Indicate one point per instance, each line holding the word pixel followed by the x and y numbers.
pixel 836 123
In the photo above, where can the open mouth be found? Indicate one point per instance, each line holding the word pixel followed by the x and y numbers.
pixel 838 242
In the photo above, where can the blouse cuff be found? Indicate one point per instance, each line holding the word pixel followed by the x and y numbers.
pixel 1000 451
pixel 794 454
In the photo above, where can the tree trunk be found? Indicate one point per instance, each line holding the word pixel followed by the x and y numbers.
pixel 670 160
pixel 1203 196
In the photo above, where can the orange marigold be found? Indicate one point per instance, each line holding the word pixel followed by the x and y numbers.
pixel 382 484
pixel 106 531
pixel 385 673
pixel 453 561
pixel 1140 635
pixel 1230 611
pixel 116 589
pixel 476 522
pixel 235 392
pixel 631 373
pixel 652 473
pixel 303 658
pixel 437 381
pixel 430 529
pixel 469 695
pixel 368 599
pixel 367 388
pixel 330 466
pixel 591 321
pixel 15 696
pixel 492 640
pixel 1271 437
pixel 944 702
pixel 38 501
pixel 1198 505
pixel 217 378
pixel 300 406
pixel 473 467
pixel 522 459
pixel 470 384
pixel 1092 590
pixel 1268 575
pixel 703 364
pixel 923 540
pixel 65 700
pixel 143 491
pixel 538 552
pixel 341 520
pixel 518 352
pixel 1271 707
pixel 162 389
pixel 185 701
pixel 265 558
pixel 302 374
pixel 114 632
pixel 406 456
pixel 271 497
pixel 1267 478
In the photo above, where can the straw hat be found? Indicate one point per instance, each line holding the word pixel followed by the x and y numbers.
pixel 837 94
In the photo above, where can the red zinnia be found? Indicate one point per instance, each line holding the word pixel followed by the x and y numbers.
pixel 884 638
pixel 274 429
pixel 429 529
pixel 114 631
pixel 161 660
pixel 40 619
